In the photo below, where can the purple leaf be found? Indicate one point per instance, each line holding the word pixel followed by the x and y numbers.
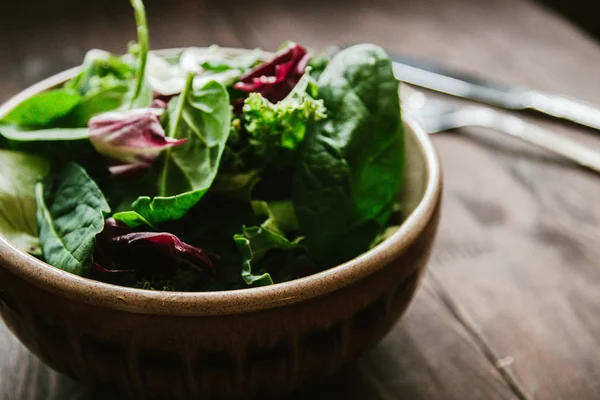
pixel 276 78
pixel 130 137
pixel 120 249
pixel 99 269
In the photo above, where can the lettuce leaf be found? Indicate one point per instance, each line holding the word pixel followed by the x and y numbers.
pixel 71 211
pixel 43 108
pixel 254 243
pixel 202 118
pixel 19 173
pixel 214 59
pixel 133 137
pixel 282 124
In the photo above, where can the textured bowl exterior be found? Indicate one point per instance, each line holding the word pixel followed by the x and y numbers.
pixel 253 343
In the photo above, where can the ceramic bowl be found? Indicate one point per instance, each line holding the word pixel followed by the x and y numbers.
pixel 252 343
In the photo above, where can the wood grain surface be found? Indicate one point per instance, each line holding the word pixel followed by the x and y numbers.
pixel 510 307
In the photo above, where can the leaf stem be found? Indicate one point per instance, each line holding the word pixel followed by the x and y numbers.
pixel 174 121
pixel 144 43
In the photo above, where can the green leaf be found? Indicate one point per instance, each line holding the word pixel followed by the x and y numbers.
pixel 102 99
pixel 317 65
pixel 282 124
pixel 281 216
pixel 254 243
pixel 54 144
pixel 236 185
pixel 108 83
pixel 158 210
pixel 132 219
pixel 71 211
pixel 104 84
pixel 351 165
pixel 43 108
pixel 187 172
pixel 216 60
pixel 18 134
pixel 100 71
pixel 19 173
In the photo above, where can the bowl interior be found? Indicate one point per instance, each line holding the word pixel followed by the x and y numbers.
pixel 417 172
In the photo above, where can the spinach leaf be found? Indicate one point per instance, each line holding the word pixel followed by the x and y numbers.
pixel 317 65
pixel 102 99
pixel 43 109
pixel 254 243
pixel 17 134
pixel 132 219
pixel 100 71
pixel 214 59
pixel 19 173
pixel 71 211
pixel 202 117
pixel 52 144
pixel 104 84
pixel 281 216
pixel 351 165
pixel 236 185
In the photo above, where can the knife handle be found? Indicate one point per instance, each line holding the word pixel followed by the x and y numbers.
pixel 565 108
pixel 561 145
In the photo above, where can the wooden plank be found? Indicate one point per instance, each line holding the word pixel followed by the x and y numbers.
pixel 429 355
pixel 23 376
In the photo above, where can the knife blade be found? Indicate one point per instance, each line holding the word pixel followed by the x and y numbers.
pixel 437 78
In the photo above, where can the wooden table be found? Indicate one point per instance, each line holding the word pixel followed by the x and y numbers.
pixel 510 307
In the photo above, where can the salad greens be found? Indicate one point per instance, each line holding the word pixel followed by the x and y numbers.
pixel 71 211
pixel 19 173
pixel 201 119
pixel 254 243
pixel 348 167
pixel 282 124
pixel 43 109
pixel 207 170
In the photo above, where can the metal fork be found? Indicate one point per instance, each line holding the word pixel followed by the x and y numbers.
pixel 438 116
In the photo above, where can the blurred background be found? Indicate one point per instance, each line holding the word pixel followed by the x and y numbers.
pixel 40 38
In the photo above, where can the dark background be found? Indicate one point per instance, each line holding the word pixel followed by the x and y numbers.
pixel 584 13
pixel 43 37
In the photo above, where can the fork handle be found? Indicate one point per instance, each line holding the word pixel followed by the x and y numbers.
pixel 561 145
